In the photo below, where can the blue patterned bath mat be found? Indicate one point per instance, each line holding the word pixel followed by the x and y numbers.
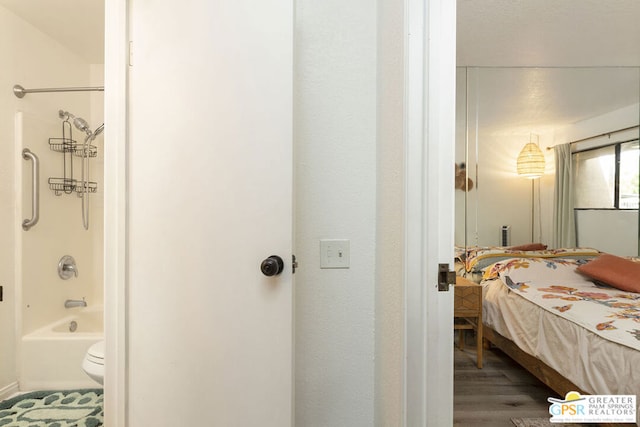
pixel 69 408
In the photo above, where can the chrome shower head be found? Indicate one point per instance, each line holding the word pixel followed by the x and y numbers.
pixel 78 122
pixel 82 125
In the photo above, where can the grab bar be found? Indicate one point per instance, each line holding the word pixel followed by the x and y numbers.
pixel 35 195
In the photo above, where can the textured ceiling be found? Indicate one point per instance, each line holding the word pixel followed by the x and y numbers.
pixel 503 33
pixel 581 43
pixel 516 101
pixel 490 32
pixel 557 33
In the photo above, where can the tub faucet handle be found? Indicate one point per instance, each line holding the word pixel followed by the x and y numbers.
pixel 67 267
pixel 72 268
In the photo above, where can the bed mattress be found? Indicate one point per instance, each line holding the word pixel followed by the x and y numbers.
pixel 595 364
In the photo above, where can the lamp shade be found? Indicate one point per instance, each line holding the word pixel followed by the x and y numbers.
pixel 531 161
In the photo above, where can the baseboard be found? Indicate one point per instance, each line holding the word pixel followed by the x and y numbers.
pixel 32 385
pixel 9 390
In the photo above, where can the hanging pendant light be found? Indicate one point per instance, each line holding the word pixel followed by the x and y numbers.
pixel 531 161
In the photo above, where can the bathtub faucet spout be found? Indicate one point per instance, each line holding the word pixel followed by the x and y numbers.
pixel 75 303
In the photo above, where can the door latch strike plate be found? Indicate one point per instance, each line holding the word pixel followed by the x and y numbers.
pixel 294 264
pixel 445 277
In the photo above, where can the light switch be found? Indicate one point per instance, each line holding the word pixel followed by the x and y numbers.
pixel 334 253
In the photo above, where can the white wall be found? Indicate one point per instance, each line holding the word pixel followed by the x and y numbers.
pixel 335 143
pixel 613 120
pixel 389 308
pixel 500 196
pixel 33 59
pixel 504 197
pixel 7 207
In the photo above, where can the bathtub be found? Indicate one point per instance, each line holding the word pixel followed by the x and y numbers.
pixel 51 357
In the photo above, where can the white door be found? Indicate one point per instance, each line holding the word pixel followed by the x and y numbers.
pixel 210 177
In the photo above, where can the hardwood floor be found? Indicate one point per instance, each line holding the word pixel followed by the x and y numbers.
pixel 501 390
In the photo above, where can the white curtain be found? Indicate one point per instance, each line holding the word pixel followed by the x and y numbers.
pixel 564 229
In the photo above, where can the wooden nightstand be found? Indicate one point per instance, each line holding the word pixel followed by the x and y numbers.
pixel 467 306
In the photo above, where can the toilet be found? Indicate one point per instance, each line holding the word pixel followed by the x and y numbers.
pixel 93 363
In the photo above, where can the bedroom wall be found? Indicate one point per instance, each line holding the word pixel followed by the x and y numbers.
pixel 499 196
pixel 505 198
pixel 335 193
pixel 496 129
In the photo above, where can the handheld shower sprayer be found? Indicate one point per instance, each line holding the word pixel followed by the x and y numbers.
pixel 98 130
pixel 83 126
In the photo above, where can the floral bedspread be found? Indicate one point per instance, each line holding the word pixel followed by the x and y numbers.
pixel 555 286
pixel 478 258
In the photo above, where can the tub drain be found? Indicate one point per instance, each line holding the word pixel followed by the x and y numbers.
pixel 73 325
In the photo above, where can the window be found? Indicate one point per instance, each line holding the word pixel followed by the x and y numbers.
pixel 629 175
pixel 607 177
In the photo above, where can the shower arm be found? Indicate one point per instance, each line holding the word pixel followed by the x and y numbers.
pixel 20 92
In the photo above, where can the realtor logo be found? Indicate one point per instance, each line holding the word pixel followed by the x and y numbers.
pixel 576 408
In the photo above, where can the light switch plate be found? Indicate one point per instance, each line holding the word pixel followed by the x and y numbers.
pixel 334 253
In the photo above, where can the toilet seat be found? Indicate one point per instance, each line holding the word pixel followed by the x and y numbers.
pixel 93 363
pixel 95 354
pixel 96 360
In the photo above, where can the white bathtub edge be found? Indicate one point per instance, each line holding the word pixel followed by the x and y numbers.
pixel 46 331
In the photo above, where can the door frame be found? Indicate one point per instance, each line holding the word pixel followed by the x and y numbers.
pixel 116 63
pixel 429 66
pixel 429 70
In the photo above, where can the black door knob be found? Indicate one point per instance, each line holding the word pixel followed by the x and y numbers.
pixel 272 266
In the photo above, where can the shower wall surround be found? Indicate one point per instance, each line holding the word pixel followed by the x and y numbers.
pixel 59 232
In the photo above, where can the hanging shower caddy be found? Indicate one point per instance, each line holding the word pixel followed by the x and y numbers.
pixel 69 148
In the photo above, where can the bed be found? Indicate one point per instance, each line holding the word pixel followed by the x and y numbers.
pixel 572 332
pixel 472 262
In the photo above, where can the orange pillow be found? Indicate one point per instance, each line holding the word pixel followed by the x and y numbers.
pixel 529 247
pixel 614 271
